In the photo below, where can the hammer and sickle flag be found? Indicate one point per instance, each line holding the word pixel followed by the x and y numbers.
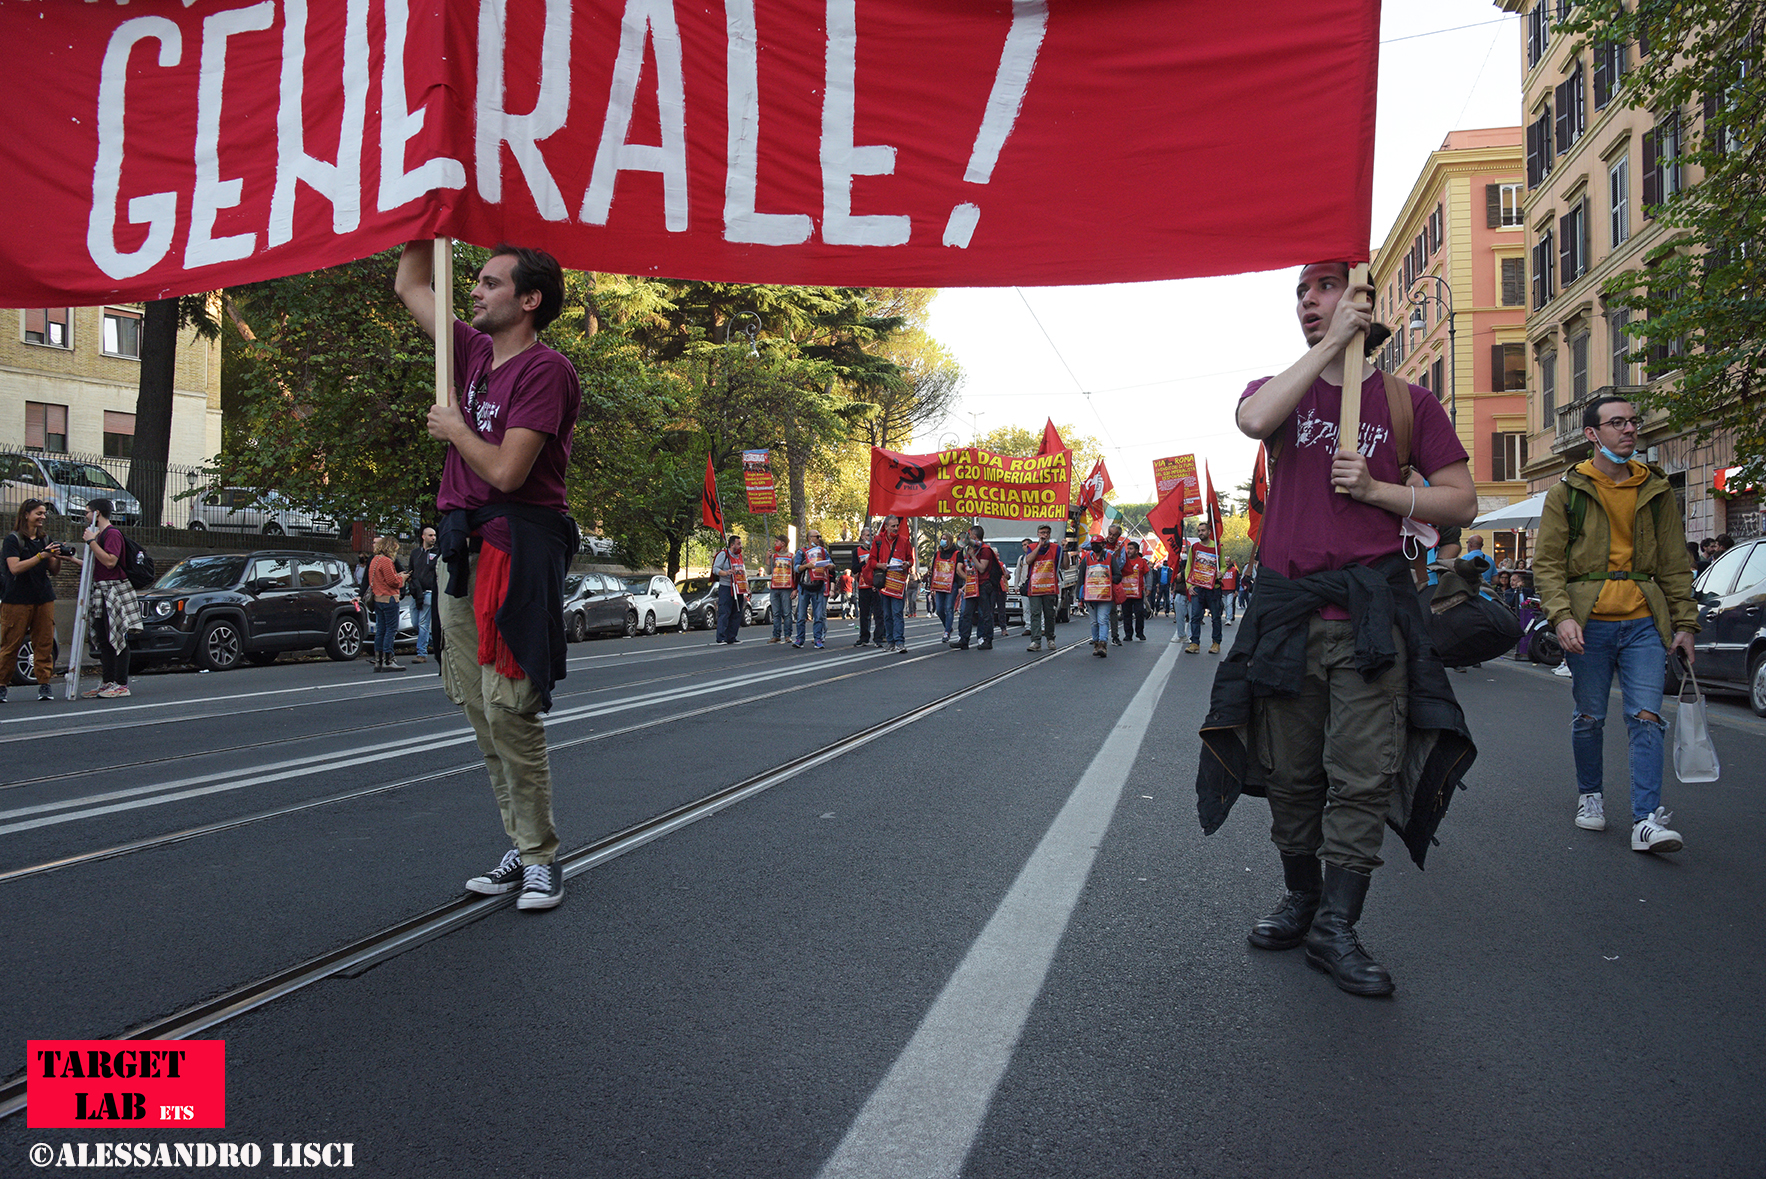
pixel 711 511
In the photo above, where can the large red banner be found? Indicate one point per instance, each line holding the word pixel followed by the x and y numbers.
pixel 851 142
pixel 970 482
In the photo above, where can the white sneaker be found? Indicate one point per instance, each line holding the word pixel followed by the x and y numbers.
pixel 1652 834
pixel 1563 670
pixel 1591 812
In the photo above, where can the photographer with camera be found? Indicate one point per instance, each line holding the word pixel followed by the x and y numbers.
pixel 27 598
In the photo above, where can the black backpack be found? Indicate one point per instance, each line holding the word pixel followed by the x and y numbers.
pixel 137 565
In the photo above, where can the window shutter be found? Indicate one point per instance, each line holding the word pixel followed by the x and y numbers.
pixel 1538 276
pixel 1652 174
pixel 1711 106
pixel 1532 157
pixel 1514 282
pixel 1492 206
pixel 1496 369
pixel 1563 118
pixel 1565 274
pixel 37 323
pixel 1498 460
pixel 1602 79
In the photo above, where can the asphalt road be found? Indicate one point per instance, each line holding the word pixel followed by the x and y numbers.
pixel 989 942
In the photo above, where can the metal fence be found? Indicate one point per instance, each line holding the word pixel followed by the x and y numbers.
pixel 144 494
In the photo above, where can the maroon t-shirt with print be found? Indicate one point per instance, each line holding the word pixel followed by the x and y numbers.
pixel 535 390
pixel 1307 527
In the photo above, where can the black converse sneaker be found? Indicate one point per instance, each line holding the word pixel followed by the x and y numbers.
pixel 542 887
pixel 505 877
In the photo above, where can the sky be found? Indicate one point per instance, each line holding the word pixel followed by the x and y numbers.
pixel 1154 369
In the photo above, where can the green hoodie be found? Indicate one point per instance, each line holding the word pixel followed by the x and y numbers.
pixel 1658 555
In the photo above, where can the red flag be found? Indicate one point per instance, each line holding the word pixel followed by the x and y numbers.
pixel 1259 493
pixel 1051 439
pixel 728 150
pixel 1095 487
pixel 1166 519
pixel 711 510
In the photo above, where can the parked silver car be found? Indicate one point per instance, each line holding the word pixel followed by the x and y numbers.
pixel 246 509
pixel 66 484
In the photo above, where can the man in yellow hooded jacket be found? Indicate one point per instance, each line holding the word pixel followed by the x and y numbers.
pixel 1615 580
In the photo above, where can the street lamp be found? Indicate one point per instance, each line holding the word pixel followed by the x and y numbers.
pixel 1442 297
pixel 752 331
pixel 975 424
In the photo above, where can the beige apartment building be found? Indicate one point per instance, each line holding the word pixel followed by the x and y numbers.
pixel 1450 281
pixel 69 378
pixel 1593 163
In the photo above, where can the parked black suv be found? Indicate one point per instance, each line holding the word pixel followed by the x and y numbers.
pixel 219 609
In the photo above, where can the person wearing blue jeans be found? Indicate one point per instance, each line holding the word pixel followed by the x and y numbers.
pixel 812 567
pixel 1615 580
pixel 421 586
pixel 730 573
pixel 944 601
pixel 1634 650
pixel 779 582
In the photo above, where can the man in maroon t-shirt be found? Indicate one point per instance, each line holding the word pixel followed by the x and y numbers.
pixel 1332 750
pixel 508 430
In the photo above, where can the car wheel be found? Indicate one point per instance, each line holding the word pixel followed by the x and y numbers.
pixel 685 623
pixel 747 614
pixel 631 623
pixel 650 622
pixel 198 526
pixel 346 639
pixel 272 529
pixel 219 647
pixel 23 671
pixel 1757 684
pixel 260 658
pixel 579 627
pixel 1546 649
pixel 710 616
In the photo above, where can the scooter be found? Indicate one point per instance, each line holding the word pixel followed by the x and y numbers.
pixel 1539 640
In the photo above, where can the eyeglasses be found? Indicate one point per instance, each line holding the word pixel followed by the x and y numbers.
pixel 1621 423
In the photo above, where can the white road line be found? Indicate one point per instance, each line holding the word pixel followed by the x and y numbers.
pixel 223 781
pixel 923 1118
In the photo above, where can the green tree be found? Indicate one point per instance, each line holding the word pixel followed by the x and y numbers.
pixel 161 321
pixel 1699 303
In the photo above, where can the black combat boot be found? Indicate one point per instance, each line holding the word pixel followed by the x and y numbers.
pixel 1331 944
pixel 1286 927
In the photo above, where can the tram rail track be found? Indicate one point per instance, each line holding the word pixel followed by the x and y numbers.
pixel 363 954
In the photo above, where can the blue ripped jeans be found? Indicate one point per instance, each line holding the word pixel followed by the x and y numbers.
pixel 1634 648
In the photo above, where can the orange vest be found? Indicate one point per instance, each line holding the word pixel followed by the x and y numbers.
pixel 1045 575
pixel 944 573
pixel 781 570
pixel 1098 587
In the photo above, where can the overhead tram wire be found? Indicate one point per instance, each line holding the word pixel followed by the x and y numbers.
pixel 1076 381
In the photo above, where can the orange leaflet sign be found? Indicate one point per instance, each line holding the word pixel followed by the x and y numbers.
pixel 757 481
pixel 970 481
pixel 1180 471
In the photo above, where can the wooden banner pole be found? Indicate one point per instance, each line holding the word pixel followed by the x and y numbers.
pixel 1349 431
pixel 444 319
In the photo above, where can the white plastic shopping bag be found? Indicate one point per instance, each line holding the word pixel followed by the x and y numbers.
pixel 1695 757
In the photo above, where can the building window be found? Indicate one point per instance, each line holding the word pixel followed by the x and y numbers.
pixel 122 333
pixel 1539 153
pixel 46 426
pixel 1511 205
pixel 1435 379
pixel 1508 368
pixel 119 434
pixel 1572 111
pixel 1573 248
pixel 1617 322
pixel 1548 389
pixel 1662 177
pixel 1578 367
pixel 1508 454
pixel 1514 282
pixel 1437 229
pixel 1544 268
pixel 1538 32
pixel 1619 190
pixel 1609 71
pixel 48 326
